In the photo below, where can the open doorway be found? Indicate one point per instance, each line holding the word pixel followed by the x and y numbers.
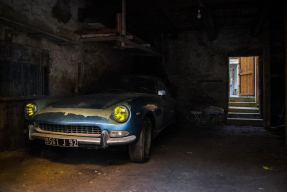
pixel 242 76
pixel 243 92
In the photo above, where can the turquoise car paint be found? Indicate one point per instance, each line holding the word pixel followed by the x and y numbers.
pixel 96 109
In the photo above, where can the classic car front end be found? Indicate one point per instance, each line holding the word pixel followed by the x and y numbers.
pixel 99 119
pixel 71 127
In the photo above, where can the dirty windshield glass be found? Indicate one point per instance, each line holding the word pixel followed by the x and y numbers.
pixel 125 84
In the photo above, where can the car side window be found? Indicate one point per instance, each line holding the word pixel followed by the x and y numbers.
pixel 161 86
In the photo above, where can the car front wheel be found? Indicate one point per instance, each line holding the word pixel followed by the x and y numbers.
pixel 139 151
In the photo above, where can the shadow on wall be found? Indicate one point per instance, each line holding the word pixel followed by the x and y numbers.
pixel 147 65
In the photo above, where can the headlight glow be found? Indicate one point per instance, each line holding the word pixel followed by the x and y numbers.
pixel 121 114
pixel 30 109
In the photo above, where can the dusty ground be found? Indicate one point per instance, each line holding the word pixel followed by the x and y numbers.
pixel 203 158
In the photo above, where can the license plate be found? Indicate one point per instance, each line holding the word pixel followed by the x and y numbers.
pixel 61 142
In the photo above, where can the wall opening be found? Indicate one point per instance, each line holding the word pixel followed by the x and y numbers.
pixel 244 91
pixel 242 76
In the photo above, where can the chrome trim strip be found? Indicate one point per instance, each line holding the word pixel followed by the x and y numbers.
pixel 86 140
pixel 60 133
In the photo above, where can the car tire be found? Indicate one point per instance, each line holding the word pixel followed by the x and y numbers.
pixel 139 151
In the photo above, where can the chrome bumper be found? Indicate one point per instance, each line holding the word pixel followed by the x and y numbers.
pixel 103 141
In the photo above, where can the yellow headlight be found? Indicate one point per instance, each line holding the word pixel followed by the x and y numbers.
pixel 121 114
pixel 30 109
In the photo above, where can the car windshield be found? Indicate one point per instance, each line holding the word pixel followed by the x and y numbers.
pixel 125 84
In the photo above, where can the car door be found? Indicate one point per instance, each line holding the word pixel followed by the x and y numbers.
pixel 167 103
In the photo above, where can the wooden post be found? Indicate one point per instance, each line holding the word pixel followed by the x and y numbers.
pixel 123 23
pixel 119 24
pixel 285 72
pixel 119 28
pixel 266 82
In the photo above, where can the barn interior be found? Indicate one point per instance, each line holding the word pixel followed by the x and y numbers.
pixel 212 54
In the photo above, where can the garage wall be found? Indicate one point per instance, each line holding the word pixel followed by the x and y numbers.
pixel 100 59
pixel 61 18
pixel 53 16
pixel 50 16
pixel 199 68
pixel 58 18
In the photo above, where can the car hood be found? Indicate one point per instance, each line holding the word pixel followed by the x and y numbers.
pixel 95 101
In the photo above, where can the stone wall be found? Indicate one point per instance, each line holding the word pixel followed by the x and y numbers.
pixel 60 18
pixel 199 68
pixel 40 14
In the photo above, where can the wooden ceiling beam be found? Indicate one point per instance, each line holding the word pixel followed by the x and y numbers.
pixel 33 32
pixel 144 47
pixel 104 38
pixel 139 46
pixel 139 6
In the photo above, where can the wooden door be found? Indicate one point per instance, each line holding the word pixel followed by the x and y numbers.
pixel 246 76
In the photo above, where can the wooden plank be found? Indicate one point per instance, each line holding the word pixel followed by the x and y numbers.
pixel 107 38
pixel 97 31
pixel 132 47
pixel 239 77
pixel 22 98
pixel 31 30
pixel 98 35
pixel 246 76
pixel 139 46
pixel 246 94
pixel 266 82
pixel 93 39
pixel 246 73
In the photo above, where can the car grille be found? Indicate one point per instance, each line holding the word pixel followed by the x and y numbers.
pixel 69 129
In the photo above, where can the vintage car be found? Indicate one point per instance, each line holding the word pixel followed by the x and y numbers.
pixel 121 110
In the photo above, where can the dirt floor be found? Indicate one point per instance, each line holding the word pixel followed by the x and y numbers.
pixel 195 158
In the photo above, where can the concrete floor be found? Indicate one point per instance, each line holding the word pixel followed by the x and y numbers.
pixel 196 158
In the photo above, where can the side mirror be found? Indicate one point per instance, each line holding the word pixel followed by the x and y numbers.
pixel 161 93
